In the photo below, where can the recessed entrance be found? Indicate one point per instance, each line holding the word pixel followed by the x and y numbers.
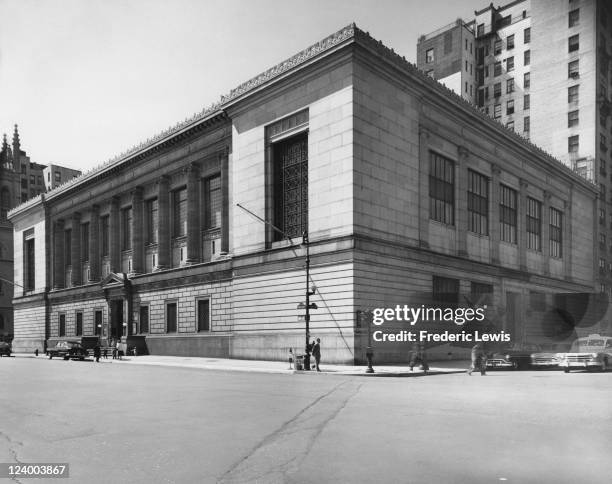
pixel 117 319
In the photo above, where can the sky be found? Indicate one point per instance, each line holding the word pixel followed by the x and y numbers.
pixel 86 80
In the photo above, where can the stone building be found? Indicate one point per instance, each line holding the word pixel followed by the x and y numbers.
pixel 542 68
pixel 20 179
pixel 409 195
pixel 56 175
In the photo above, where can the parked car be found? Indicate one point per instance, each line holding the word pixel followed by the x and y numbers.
pixel 68 350
pixel 515 356
pixel 550 357
pixel 5 349
pixel 588 353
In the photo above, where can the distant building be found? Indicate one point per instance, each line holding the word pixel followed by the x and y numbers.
pixel 409 196
pixel 20 180
pixel 56 175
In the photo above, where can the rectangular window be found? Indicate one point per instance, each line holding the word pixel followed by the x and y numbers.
pixel 478 203
pixel 497 111
pixel 573 18
pixel 429 56
pixel 527 57
pixel 441 189
pixel 68 247
pixel 30 263
pixel 85 242
pixel 104 227
pixel 497 69
pixel 573 43
pixel 527 35
pixel 291 185
pixel 497 47
pixel 152 221
pixel 510 64
pixel 507 214
pixel 510 125
pixel 534 224
pixel 526 101
pixel 213 202
pixel 572 118
pixel 445 290
pixel 510 42
pixel 573 69
pixel 62 325
pixel 79 324
pixel 573 144
pixel 98 323
pixel 526 124
pixel 179 206
pixel 556 234
pixel 144 319
pixel 58 176
pixel 509 86
pixel 203 315
pixel 497 89
pixel 171 317
pixel 510 106
pixel 526 80
pixel 572 94
pixel 126 228
pixel 480 30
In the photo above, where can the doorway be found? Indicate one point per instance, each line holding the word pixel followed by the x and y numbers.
pixel 117 330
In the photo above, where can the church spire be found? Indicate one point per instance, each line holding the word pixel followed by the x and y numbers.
pixel 16 151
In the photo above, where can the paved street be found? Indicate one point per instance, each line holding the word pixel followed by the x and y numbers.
pixel 149 424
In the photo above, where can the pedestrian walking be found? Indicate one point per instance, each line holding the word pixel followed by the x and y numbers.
pixel 105 352
pixel 418 355
pixel 479 359
pixel 97 352
pixel 316 352
pixel 290 357
pixel 114 348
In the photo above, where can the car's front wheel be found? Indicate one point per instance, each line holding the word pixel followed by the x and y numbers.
pixel 566 370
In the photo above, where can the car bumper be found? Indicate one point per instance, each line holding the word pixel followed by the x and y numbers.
pixel 499 364
pixel 581 364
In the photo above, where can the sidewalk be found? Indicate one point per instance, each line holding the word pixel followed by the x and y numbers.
pixel 259 366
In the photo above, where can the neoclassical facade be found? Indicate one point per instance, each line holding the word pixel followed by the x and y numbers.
pixel 191 243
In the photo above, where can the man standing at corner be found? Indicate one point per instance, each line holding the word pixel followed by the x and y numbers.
pixel 316 352
pixel 479 359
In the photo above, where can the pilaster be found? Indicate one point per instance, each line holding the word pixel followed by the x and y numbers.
pixel 193 214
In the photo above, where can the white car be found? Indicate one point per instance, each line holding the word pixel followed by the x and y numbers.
pixel 591 352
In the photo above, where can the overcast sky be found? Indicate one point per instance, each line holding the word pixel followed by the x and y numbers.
pixel 87 79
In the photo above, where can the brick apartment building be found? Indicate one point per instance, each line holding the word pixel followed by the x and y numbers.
pixel 408 193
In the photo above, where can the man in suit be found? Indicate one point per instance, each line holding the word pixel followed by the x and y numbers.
pixel 316 352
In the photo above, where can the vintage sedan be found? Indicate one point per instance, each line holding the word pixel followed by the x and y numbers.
pixel 515 356
pixel 593 352
pixel 550 357
pixel 68 350
pixel 5 349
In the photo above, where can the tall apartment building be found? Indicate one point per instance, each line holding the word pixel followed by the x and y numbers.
pixel 20 180
pixel 541 68
pixel 56 175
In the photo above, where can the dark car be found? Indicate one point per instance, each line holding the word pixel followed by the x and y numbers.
pixel 515 356
pixel 68 350
pixel 5 349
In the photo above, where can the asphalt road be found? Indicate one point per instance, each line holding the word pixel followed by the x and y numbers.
pixel 146 424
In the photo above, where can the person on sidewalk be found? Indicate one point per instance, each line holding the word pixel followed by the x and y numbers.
pixel 418 355
pixel 96 352
pixel 291 358
pixel 316 352
pixel 479 359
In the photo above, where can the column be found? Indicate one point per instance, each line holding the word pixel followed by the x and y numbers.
pixel 163 230
pixel 225 201
pixel 461 224
pixel 494 211
pixel 546 234
pixel 59 267
pixel 75 257
pixel 114 246
pixel 423 188
pixel 194 231
pixel 521 227
pixel 94 244
pixel 137 232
